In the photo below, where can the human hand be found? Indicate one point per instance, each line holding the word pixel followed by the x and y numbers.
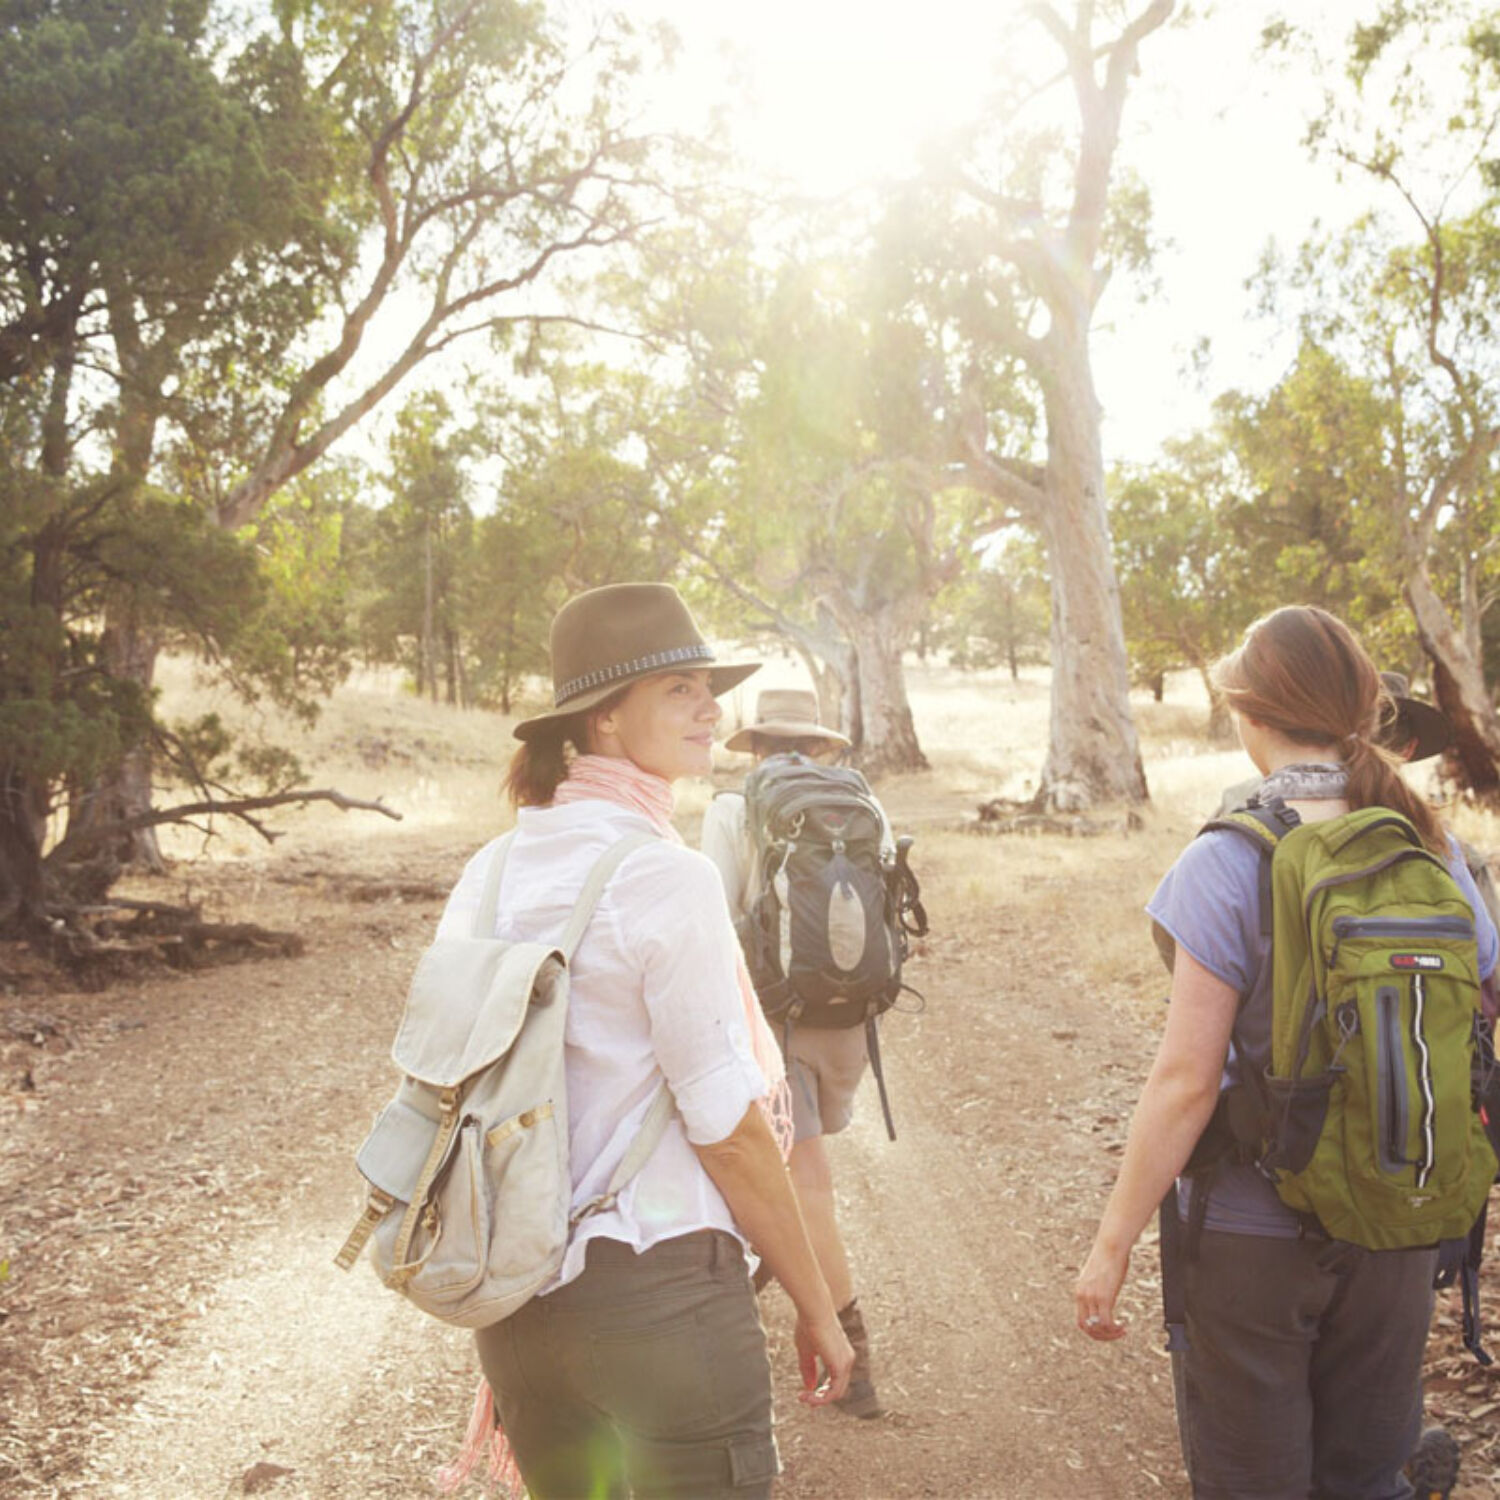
pixel 823 1341
pixel 1098 1286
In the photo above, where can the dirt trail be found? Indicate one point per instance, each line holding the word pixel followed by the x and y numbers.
pixel 176 1178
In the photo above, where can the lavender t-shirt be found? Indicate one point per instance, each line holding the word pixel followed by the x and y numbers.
pixel 1209 901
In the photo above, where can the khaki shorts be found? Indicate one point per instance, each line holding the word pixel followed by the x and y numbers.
pixel 824 1070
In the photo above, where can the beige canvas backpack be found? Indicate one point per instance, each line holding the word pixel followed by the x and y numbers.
pixel 468 1213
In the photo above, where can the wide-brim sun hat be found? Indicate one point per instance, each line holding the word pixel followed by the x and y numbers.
pixel 1413 720
pixel 785 713
pixel 607 638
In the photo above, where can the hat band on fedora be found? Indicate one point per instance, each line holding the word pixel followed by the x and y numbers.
pixel 656 661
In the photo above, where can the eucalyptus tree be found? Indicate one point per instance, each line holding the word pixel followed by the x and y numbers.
pixel 569 509
pixel 1185 589
pixel 419 549
pixel 1404 301
pixel 1302 499
pixel 799 448
pixel 1283 497
pixel 1049 221
pixel 999 613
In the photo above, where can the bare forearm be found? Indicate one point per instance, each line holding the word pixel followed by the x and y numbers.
pixel 748 1170
pixel 1175 1105
pixel 1171 1115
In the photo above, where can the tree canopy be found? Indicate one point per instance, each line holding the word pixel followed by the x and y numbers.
pixel 229 238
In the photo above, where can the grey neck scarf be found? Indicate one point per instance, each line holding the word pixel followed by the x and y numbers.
pixel 1306 781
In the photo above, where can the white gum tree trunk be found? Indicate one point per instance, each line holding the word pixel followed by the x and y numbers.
pixel 1093 752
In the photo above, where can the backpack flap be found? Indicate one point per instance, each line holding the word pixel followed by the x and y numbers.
pixel 466 1003
pixel 398 1144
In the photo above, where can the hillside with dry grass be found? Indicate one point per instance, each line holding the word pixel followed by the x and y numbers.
pixel 177 1173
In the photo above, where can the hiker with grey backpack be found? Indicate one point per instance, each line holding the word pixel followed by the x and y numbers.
pixel 1314 1096
pixel 824 902
pixel 584 1147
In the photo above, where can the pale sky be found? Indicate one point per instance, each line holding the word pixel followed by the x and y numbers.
pixel 847 90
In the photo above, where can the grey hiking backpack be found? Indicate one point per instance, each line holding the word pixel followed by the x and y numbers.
pixel 828 924
pixel 468 1213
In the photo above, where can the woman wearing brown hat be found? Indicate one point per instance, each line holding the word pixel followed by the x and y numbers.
pixel 643 1369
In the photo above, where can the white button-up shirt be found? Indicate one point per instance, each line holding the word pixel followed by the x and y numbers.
pixel 653 995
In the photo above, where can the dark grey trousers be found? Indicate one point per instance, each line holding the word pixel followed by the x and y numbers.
pixel 1303 1373
pixel 646 1376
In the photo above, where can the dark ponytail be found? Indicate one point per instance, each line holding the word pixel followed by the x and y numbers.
pixel 1302 672
pixel 538 768
pixel 541 763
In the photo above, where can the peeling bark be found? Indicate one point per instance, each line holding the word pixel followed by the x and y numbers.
pixel 880 637
pixel 1093 753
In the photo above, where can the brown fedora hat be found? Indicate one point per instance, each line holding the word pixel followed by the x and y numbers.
pixel 1413 722
pixel 784 713
pixel 604 639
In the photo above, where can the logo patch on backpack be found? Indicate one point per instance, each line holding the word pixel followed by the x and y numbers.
pixel 1427 961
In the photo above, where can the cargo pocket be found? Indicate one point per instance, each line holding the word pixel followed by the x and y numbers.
pixel 753 1462
pixel 524 1167
pixel 1299 1106
pixel 446 1256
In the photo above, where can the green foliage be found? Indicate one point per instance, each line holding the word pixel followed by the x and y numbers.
pixel 1186 586
pixel 1000 613
pixel 417 548
pixel 202 214
pixel 205 753
pixel 830 469
pixel 1312 518
pixel 300 643
pixel 65 716
pixel 572 511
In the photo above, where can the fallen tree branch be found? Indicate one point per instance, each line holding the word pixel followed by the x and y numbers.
pixel 239 807
pixel 1001 815
pixel 163 934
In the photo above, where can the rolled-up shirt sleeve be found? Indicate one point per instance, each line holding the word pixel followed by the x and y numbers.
pixel 678 924
pixel 1209 903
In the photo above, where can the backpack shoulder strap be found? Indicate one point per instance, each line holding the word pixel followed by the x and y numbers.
pixel 663 1106
pixel 593 888
pixel 1264 824
pixel 484 918
pixel 647 1138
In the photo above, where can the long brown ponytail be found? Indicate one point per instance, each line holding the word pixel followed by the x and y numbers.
pixel 1302 672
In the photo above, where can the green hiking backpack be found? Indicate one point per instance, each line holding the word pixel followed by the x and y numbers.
pixel 1364 1054
pixel 1363 1044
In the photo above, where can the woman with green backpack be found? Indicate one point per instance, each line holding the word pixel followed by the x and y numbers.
pixel 1304 1033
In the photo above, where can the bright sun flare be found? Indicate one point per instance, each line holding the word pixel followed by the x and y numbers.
pixel 840 92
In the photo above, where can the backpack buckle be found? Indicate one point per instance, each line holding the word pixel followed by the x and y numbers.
pixel 377 1206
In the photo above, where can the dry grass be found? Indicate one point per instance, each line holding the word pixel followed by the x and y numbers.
pixel 440 767
pixel 984 735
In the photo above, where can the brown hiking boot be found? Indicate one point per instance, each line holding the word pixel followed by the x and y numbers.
pixel 1433 1467
pixel 860 1399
